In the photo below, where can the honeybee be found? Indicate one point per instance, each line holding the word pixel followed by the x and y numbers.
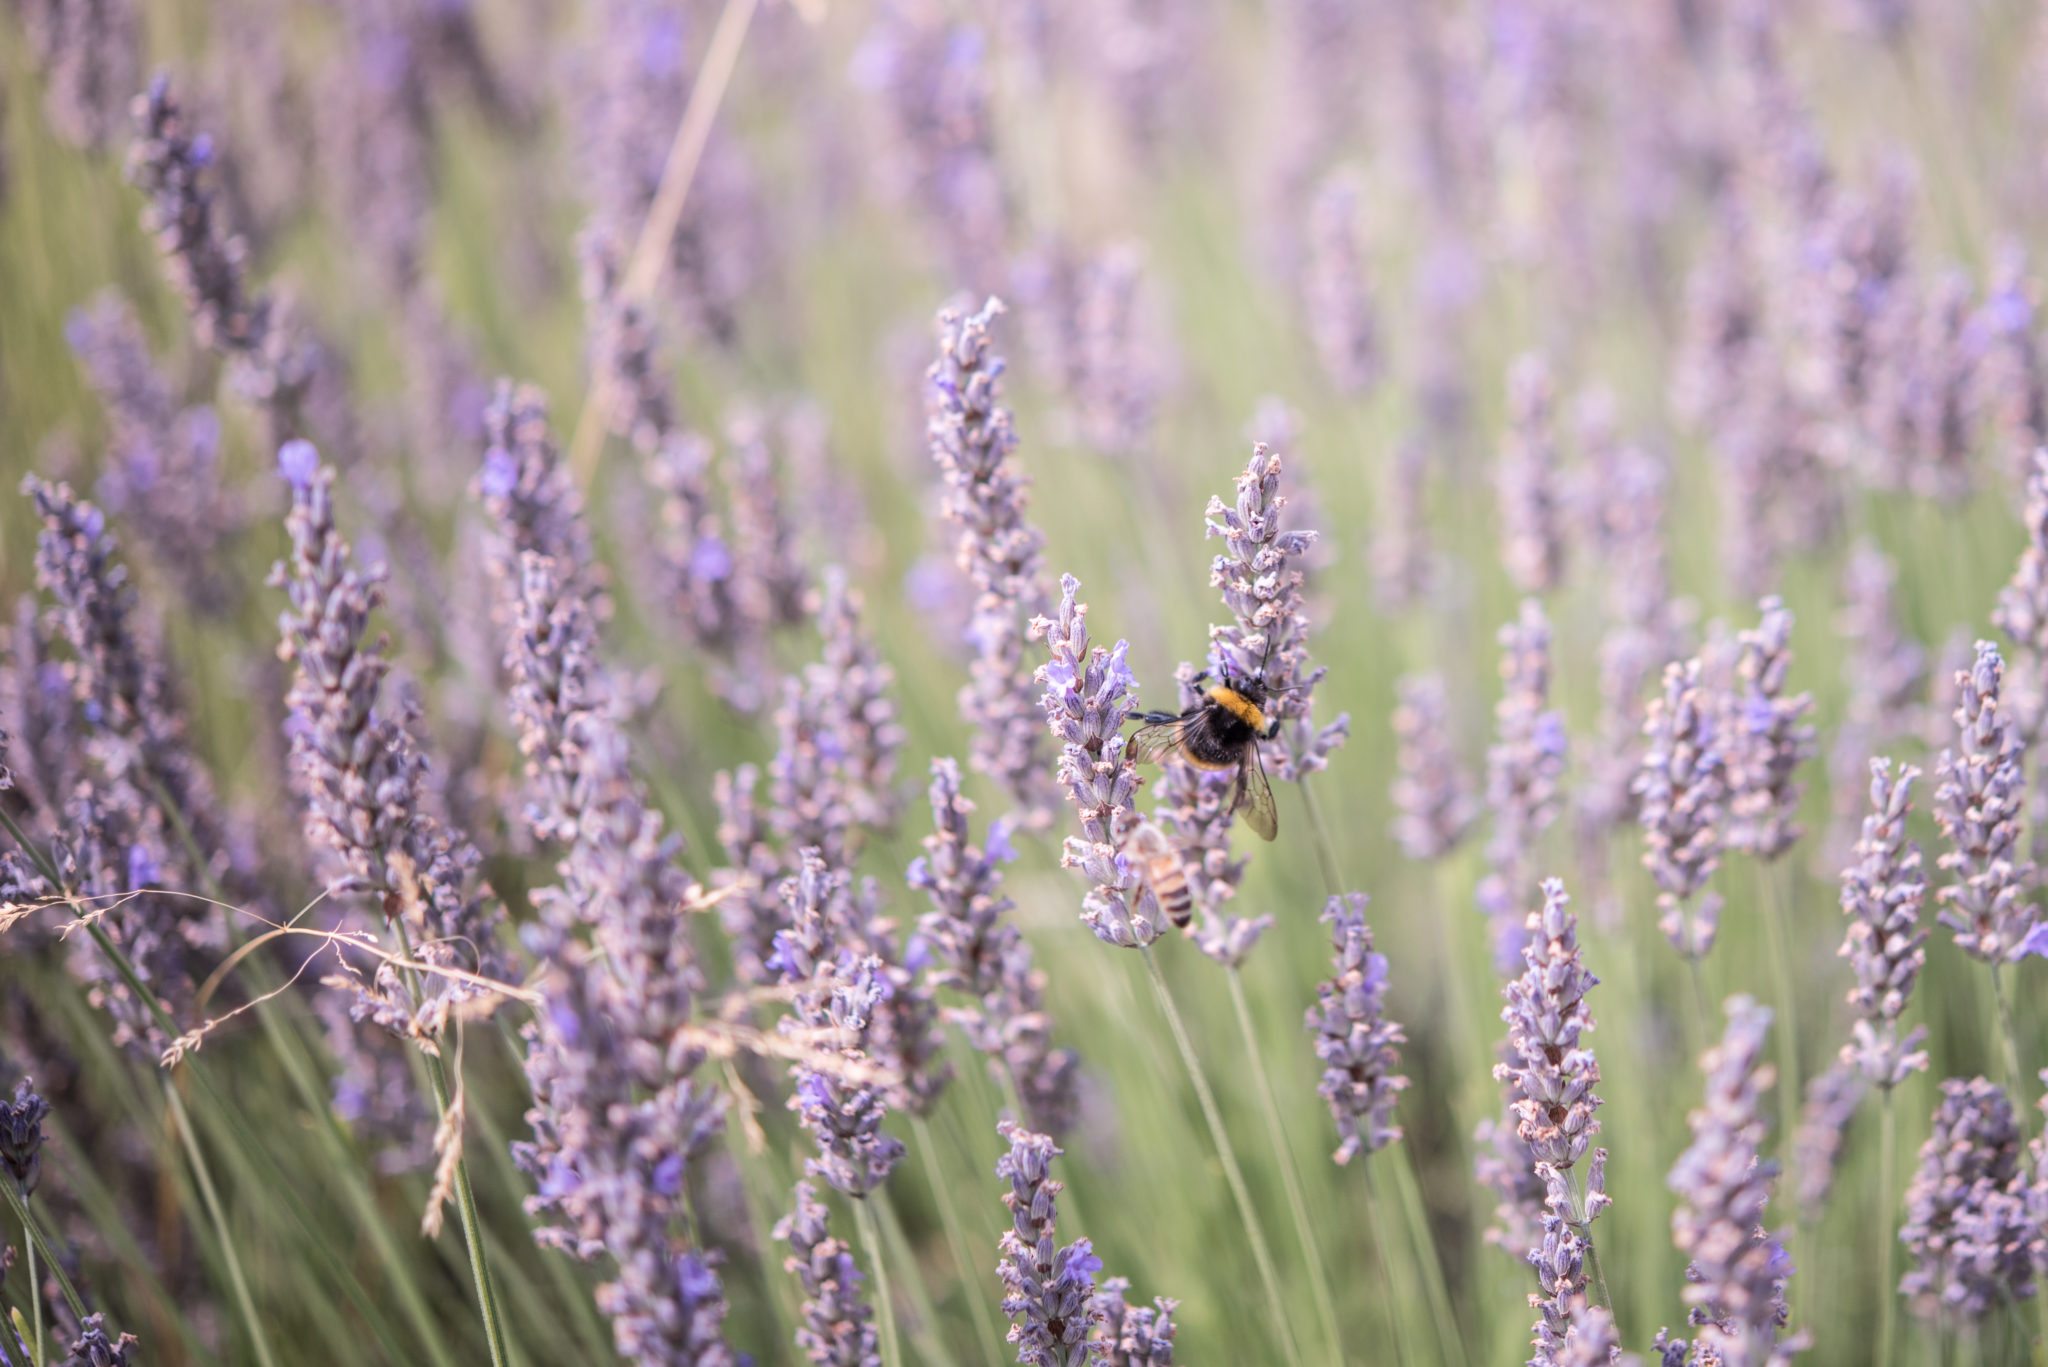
pixel 1159 864
pixel 1220 731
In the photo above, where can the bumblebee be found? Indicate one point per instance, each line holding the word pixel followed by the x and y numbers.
pixel 1159 864
pixel 1220 731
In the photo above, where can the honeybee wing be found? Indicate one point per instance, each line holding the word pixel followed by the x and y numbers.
pixel 1160 737
pixel 1253 796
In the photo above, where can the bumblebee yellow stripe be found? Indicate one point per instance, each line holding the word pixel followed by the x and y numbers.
pixel 1239 706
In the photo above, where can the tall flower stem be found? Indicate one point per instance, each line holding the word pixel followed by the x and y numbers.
pixel 1383 1250
pixel 924 1325
pixel 245 1304
pixel 1777 914
pixel 465 1197
pixel 885 1304
pixel 35 1298
pixel 1887 1174
pixel 1232 1174
pixel 33 1234
pixel 1450 1337
pixel 1290 1175
pixel 956 1239
pixel 2008 1035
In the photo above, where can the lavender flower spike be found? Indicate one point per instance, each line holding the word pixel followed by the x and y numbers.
pixel 359 769
pixel 1736 1271
pixel 838 1328
pixel 1531 503
pixel 1967 1228
pixel 1431 794
pixel 1885 945
pixel 1359 1047
pixel 1129 1335
pixel 1048 1291
pixel 1262 587
pixel 1680 792
pixel 1550 1071
pixel 2022 611
pixel 1523 769
pixel 1089 695
pixel 1979 803
pixel 92 1347
pixel 1766 740
pixel 21 1137
pixel 971 437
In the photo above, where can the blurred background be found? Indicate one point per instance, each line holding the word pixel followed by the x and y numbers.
pixel 1641 312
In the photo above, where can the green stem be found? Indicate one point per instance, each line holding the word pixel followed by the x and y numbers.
pixel 1383 1250
pixel 1776 917
pixel 1887 1173
pixel 956 1239
pixel 1232 1175
pixel 1326 852
pixel 238 1282
pixel 35 1297
pixel 1290 1176
pixel 2008 1036
pixel 885 1304
pixel 1450 1333
pixel 924 1326
pixel 36 1240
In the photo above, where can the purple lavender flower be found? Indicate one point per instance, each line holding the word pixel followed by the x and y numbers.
pixel 532 499
pixel 1193 809
pixel 1765 740
pixel 1433 798
pixel 1503 1165
pixel 1885 945
pixel 976 949
pixel 854 682
pixel 1832 1098
pixel 1342 320
pixel 1550 1070
pixel 1592 1340
pixel 92 1347
pixel 1086 320
pixel 1531 501
pixel 1403 560
pixel 751 907
pixel 1089 695
pixel 1523 769
pixel 1359 1047
pixel 971 438
pixel 89 54
pixel 836 989
pixel 163 471
pixel 1979 803
pixel 1967 1227
pixel 361 774
pixel 21 1137
pixel 2022 611
pixel 2011 383
pixel 837 1329
pixel 772 583
pixel 1048 1290
pixel 1269 639
pixel 1131 1335
pixel 1735 1271
pixel 1560 1262
pixel 1680 793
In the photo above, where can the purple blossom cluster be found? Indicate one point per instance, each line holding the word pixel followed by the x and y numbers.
pixel 1262 586
pixel 1550 1069
pixel 1886 943
pixel 361 775
pixel 976 949
pixel 1735 1270
pixel 1434 804
pixel 1524 767
pixel 1969 1230
pixel 837 1328
pixel 1048 1287
pixel 1766 738
pixel 1681 795
pixel 1358 1045
pixel 1530 482
pixel 1089 695
pixel 1980 801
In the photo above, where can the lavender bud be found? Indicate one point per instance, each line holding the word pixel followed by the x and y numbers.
pixel 1549 1070
pixel 92 1347
pixel 1089 695
pixel 1359 1047
pixel 532 498
pixel 1047 1289
pixel 1432 796
pixel 1680 792
pixel 1560 1263
pixel 1503 1165
pixel 1531 502
pixel 837 1329
pixel 1979 804
pixel 21 1137
pixel 971 437
pixel 1129 1335
pixel 1885 945
pixel 1967 1228
pixel 1736 1271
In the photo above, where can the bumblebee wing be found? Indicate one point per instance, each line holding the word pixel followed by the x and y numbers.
pixel 1253 796
pixel 1154 742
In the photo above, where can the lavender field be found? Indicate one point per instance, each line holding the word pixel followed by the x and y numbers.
pixel 611 608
